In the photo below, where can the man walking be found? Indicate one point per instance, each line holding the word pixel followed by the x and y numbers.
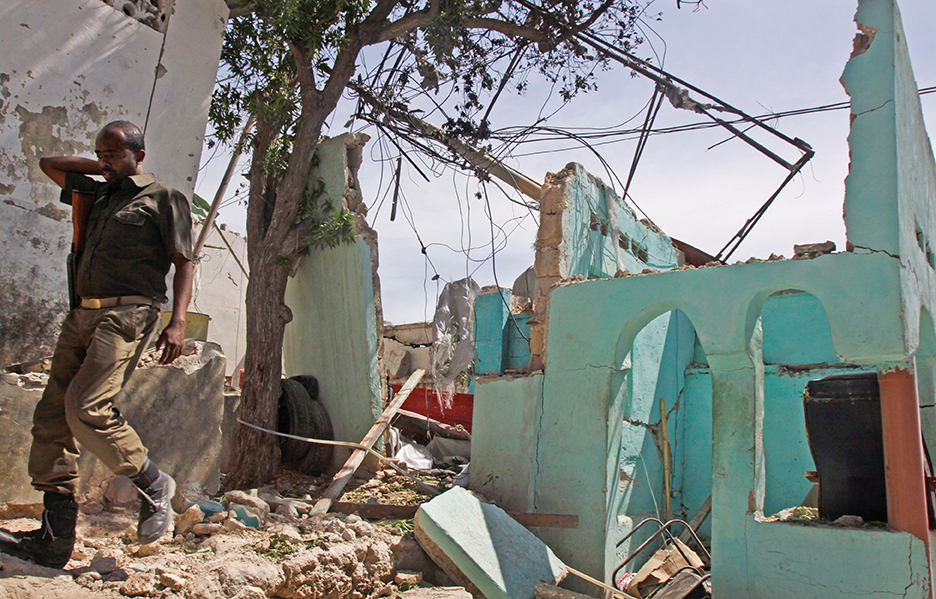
pixel 136 229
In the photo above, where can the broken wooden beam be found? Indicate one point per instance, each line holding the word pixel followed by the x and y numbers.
pixel 697 520
pixel 548 591
pixel 341 479
pixel 383 511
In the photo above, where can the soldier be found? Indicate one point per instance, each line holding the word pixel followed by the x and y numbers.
pixel 136 229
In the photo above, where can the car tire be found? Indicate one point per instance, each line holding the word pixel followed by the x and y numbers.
pixel 309 382
pixel 293 417
pixel 319 457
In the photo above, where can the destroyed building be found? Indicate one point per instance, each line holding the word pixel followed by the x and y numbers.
pixel 639 386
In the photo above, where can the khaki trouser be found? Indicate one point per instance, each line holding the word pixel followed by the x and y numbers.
pixel 96 353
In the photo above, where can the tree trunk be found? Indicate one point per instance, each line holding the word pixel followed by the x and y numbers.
pixel 256 454
pixel 272 235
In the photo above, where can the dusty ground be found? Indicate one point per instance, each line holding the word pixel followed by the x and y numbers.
pixel 292 555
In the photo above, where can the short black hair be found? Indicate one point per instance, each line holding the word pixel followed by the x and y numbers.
pixel 133 137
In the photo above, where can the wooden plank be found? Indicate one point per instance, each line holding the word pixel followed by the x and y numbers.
pixel 380 511
pixel 698 519
pixel 376 511
pixel 545 520
pixel 341 479
pixel 548 591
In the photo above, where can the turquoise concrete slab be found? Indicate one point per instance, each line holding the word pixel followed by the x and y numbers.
pixel 499 556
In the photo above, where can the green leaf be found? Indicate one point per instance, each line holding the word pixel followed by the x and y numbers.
pixel 200 208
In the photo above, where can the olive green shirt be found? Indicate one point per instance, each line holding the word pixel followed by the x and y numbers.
pixel 134 228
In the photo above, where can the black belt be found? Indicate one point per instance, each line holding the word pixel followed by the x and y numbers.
pixel 96 303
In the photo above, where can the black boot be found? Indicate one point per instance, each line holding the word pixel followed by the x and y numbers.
pixel 157 489
pixel 52 543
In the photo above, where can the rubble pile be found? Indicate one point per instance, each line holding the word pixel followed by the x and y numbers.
pixel 241 545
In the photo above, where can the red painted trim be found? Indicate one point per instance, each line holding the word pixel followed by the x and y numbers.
pixel 903 454
pixel 459 413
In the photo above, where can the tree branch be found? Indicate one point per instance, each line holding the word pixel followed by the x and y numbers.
pixel 413 21
pixel 576 29
pixel 304 74
pixel 507 28
pixel 316 106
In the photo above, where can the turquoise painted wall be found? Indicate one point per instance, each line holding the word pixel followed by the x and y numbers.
pixel 693 455
pixel 791 561
pixel 518 342
pixel 506 419
pixel 502 340
pixel 491 316
pixel 579 445
pixel 657 363
pixel 890 191
pixel 592 249
pixel 333 335
pixel 796 331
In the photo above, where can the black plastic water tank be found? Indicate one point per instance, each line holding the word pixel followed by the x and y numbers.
pixel 843 423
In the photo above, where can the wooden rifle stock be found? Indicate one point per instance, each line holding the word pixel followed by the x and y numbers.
pixel 81 207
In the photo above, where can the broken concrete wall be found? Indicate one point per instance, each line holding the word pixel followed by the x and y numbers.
pixel 654 370
pixel 333 297
pixel 505 423
pixel 872 311
pixel 69 68
pixel 587 231
pixel 797 348
pixel 890 193
pixel 177 411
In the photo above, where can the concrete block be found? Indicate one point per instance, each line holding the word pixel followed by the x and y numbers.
pixel 176 409
pixel 483 549
pixel 397 361
pixel 16 409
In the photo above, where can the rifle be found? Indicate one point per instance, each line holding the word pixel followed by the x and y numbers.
pixel 81 207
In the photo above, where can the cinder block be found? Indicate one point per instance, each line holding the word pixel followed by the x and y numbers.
pixel 483 549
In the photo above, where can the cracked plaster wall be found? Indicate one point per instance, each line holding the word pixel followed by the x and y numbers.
pixel 890 199
pixel 70 67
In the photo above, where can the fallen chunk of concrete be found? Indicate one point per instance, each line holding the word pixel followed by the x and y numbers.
pixel 483 549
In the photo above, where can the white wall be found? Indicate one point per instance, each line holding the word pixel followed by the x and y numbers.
pixel 220 290
pixel 68 68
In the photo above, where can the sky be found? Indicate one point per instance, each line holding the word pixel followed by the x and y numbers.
pixel 757 56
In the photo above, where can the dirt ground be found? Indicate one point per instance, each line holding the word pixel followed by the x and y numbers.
pixel 292 554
